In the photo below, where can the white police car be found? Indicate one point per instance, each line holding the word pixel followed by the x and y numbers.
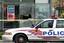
pixel 46 30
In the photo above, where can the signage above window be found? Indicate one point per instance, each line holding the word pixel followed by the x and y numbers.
pixel 41 1
pixel 11 0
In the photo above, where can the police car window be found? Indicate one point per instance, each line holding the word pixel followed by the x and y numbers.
pixel 60 24
pixel 46 24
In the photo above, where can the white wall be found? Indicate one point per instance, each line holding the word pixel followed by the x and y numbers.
pixel 41 1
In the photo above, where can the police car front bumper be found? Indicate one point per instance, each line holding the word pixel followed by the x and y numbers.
pixel 7 38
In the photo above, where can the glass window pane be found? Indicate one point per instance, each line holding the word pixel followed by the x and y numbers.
pixel 42 10
pixel 46 24
pixel 29 23
pixel 26 11
pixel 11 24
pixel 60 24
pixel 10 12
pixel 25 23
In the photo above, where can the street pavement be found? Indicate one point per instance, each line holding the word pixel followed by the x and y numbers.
pixel 1 41
pixel 34 42
pixel 29 42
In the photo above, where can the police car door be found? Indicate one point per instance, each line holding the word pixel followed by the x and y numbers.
pixel 60 27
pixel 45 26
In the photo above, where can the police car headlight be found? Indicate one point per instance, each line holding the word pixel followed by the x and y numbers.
pixel 8 33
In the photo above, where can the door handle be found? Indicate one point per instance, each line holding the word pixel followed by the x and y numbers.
pixel 50 30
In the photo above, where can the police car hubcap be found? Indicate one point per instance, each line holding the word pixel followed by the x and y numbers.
pixel 21 39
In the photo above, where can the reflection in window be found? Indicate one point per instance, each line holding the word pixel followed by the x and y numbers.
pixel 10 24
pixel 11 11
pixel 60 24
pixel 42 11
pixel 25 23
pixel 26 11
pixel 29 23
pixel 46 24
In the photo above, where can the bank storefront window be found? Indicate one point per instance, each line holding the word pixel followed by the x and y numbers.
pixel 26 10
pixel 11 24
pixel 42 10
pixel 29 23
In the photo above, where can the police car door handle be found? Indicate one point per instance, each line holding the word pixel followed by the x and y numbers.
pixel 50 30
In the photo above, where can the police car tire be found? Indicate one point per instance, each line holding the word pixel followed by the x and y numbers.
pixel 17 37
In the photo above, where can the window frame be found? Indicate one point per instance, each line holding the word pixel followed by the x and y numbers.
pixel 61 23
pixel 43 22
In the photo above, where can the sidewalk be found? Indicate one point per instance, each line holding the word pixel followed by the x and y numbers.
pixel 1 40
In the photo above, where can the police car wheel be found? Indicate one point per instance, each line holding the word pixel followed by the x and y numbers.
pixel 20 39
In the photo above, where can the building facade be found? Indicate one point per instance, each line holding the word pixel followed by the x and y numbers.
pixel 12 11
pixel 58 5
